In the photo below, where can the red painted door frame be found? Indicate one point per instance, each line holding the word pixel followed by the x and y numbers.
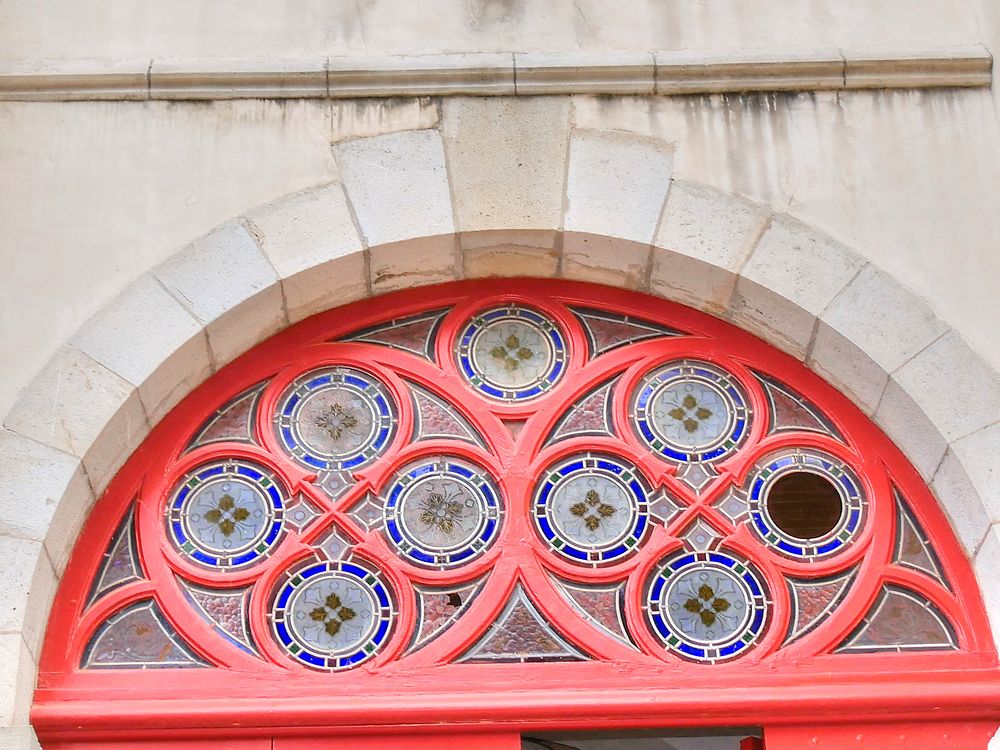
pixel 789 691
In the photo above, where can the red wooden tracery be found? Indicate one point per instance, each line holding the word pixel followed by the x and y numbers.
pixel 788 686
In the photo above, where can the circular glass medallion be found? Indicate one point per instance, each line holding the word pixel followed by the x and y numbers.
pixel 335 418
pixel 333 615
pixel 442 511
pixel 691 411
pixel 592 509
pixel 511 353
pixel 706 606
pixel 768 475
pixel 227 514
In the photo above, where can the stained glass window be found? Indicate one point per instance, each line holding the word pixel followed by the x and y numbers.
pixel 499 474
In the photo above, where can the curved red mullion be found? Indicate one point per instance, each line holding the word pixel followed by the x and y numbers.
pixel 108 605
pixel 842 621
pixel 936 594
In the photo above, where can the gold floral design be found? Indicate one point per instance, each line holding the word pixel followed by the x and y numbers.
pixel 226 515
pixel 336 420
pixel 333 613
pixel 511 354
pixel 690 414
pixel 707 605
pixel 437 510
pixel 592 510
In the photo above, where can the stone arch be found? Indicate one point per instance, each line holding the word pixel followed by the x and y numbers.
pixel 421 207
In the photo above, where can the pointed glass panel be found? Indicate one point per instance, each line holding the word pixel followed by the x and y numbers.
pixel 607 330
pixel 435 418
pixel 913 547
pixel 791 412
pixel 227 610
pixel 521 634
pixel 901 620
pixel 589 416
pixel 439 608
pixel 138 637
pixel 233 422
pixel 121 560
pixel 602 605
pixel 813 601
pixel 413 334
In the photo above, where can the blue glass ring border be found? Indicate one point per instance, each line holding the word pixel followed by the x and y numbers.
pixel 626 474
pixel 484 488
pixel 248 471
pixel 549 329
pixel 728 385
pixel 837 472
pixel 368 387
pixel 366 576
pixel 734 646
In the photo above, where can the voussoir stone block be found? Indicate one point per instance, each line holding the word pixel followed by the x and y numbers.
pixel 793 273
pixel 506 160
pixel 150 340
pixel 416 262
pixel 398 185
pixel 311 241
pixel 515 252
pixel 79 406
pixel 968 401
pixel 226 283
pixel 872 327
pixel 616 186
pixel 28 581
pixel 961 503
pixel 702 242
pixel 978 453
pixel 986 564
pixel 36 478
pixel 905 423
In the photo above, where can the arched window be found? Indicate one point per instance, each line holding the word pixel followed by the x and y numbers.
pixel 443 491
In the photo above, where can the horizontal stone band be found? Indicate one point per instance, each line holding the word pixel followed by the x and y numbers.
pixel 495 74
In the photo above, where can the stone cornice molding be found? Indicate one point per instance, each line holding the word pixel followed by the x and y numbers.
pixel 496 74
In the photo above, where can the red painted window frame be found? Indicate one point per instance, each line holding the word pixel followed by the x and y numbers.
pixel 246 701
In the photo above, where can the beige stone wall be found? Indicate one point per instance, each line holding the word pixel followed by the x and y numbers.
pixel 36 29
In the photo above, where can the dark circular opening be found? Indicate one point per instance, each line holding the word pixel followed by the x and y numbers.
pixel 804 505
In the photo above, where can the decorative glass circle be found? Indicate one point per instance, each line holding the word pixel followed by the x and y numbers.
pixel 333 615
pixel 511 353
pixel 335 418
pixel 853 504
pixel 442 511
pixel 691 411
pixel 592 508
pixel 707 606
pixel 227 514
